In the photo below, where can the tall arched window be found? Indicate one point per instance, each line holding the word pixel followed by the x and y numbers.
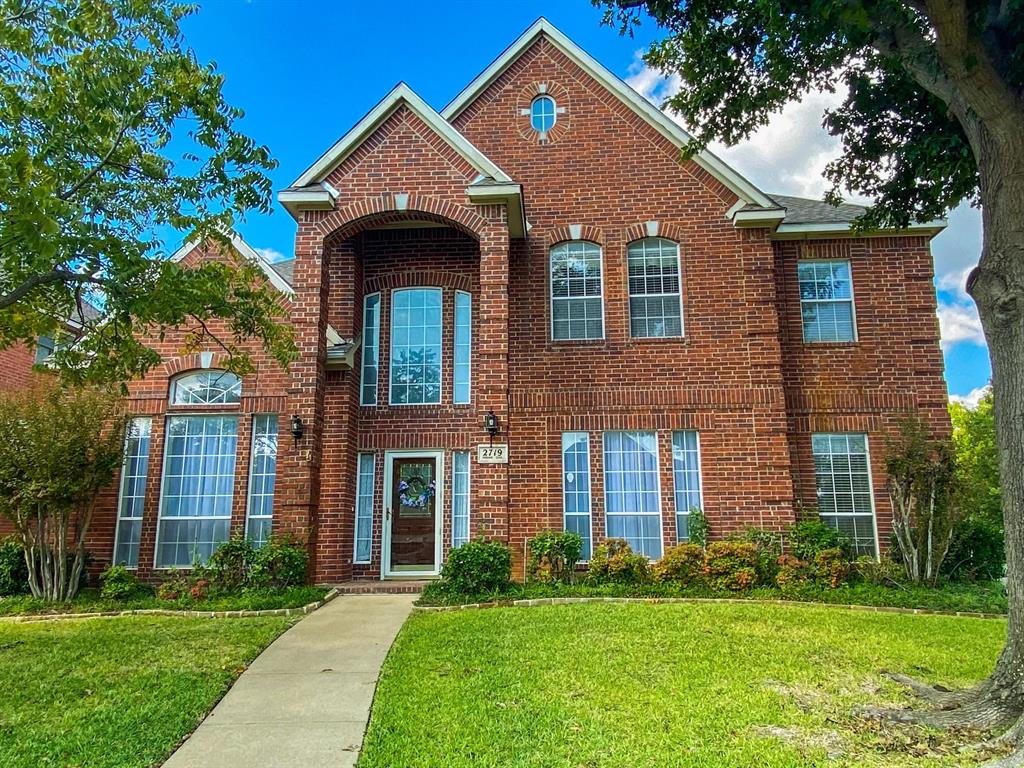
pixel 655 289
pixel 577 299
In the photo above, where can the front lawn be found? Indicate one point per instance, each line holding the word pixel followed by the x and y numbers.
pixel 116 692
pixel 89 601
pixel 631 685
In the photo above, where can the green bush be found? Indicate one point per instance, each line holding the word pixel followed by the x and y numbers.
pixel 698 528
pixel 731 565
pixel 228 566
pixel 682 564
pixel 831 569
pixel 977 551
pixel 793 574
pixel 614 562
pixel 281 562
pixel 478 568
pixel 809 537
pixel 13 573
pixel 769 549
pixel 554 555
pixel 885 572
pixel 118 583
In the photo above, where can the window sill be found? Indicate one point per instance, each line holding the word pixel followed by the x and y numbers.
pixel 830 344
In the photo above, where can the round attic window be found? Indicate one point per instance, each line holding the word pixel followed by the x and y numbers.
pixel 542 114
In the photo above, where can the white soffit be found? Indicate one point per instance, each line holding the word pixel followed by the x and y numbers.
pixel 400 94
pixel 659 120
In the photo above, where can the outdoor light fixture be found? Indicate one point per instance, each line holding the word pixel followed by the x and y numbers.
pixel 491 423
pixel 297 427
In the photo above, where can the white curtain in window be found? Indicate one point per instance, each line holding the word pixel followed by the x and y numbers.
pixel 133 492
pixel 686 475
pixel 262 476
pixel 371 350
pixel 463 345
pixel 632 506
pixel 460 498
pixel 364 507
pixel 576 486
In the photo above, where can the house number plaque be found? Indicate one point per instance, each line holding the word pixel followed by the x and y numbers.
pixel 494 453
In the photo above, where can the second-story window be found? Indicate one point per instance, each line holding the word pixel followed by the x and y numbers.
pixel 416 346
pixel 463 345
pixel 577 300
pixel 826 301
pixel 655 298
pixel 371 350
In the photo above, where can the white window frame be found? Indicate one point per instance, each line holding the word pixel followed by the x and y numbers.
pixel 552 297
pixel 852 300
pixel 367 327
pixel 148 420
pixel 391 342
pixel 176 382
pixel 249 516
pixel 678 294
pixel 657 476
pixel 554 111
pixel 590 493
pixel 455 496
pixel 700 481
pixel 455 348
pixel 360 493
pixel 871 483
pixel 163 484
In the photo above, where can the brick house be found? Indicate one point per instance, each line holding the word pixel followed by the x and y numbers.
pixel 643 336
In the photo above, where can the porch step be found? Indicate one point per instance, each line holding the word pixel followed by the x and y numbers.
pixel 375 587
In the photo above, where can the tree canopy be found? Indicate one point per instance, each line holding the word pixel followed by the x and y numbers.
pixel 113 139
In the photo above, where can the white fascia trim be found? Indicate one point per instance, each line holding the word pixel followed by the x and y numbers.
pixel 766 218
pixel 843 229
pixel 658 119
pixel 308 198
pixel 511 195
pixel 249 253
pixel 400 94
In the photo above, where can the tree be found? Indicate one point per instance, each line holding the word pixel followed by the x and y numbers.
pixel 113 135
pixel 61 447
pixel 921 483
pixel 932 116
pixel 977 460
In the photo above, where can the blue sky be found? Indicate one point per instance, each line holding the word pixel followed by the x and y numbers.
pixel 305 72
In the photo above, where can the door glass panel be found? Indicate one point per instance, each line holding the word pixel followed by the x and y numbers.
pixel 412 515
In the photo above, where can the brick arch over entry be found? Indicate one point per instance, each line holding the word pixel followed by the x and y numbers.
pixel 417 278
pixel 396 208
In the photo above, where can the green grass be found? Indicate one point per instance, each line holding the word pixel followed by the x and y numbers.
pixel 983 597
pixel 89 601
pixel 630 685
pixel 117 692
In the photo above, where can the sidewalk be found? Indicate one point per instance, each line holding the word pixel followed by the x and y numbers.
pixel 305 700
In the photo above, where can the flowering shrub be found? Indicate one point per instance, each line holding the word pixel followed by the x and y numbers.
pixel 731 565
pixel 830 568
pixel 793 573
pixel 682 564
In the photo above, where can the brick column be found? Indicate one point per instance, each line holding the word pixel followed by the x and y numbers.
pixel 299 473
pixel 490 482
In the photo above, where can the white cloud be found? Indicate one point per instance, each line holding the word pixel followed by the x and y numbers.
pixel 271 254
pixel 959 322
pixel 789 155
pixel 972 398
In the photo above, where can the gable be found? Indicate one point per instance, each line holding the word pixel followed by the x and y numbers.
pixel 247 252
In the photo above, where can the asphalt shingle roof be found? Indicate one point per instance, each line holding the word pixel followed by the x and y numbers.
pixel 286 269
pixel 801 210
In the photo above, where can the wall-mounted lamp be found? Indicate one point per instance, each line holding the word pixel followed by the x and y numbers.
pixel 491 424
pixel 298 428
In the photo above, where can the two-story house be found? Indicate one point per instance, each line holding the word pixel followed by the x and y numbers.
pixel 526 312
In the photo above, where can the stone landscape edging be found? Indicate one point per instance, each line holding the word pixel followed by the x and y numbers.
pixel 536 602
pixel 300 611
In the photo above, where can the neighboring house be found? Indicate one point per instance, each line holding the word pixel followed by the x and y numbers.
pixel 644 336
pixel 18 361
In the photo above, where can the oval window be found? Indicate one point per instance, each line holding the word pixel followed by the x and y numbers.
pixel 542 114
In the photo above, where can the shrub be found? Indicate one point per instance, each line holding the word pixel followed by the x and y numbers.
pixel 553 556
pixel 769 549
pixel 228 567
pixel 831 569
pixel 118 583
pixel 977 551
pixel 682 564
pixel 478 567
pixel 173 589
pixel 280 562
pixel 731 565
pixel 809 537
pixel 793 574
pixel 698 528
pixel 13 573
pixel 614 562
pixel 883 573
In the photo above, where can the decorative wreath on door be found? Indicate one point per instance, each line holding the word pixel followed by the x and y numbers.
pixel 415 492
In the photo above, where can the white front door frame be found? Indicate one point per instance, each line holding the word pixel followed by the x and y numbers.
pixel 385 547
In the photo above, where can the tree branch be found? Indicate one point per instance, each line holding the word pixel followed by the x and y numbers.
pixel 66 194
pixel 48 278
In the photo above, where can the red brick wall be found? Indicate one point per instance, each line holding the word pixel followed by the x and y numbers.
pixel 16 367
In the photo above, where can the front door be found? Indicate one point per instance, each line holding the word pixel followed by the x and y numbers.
pixel 413 515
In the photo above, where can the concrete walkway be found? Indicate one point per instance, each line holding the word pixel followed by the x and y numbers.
pixel 305 700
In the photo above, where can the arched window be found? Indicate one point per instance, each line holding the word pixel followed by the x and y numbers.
pixel 206 388
pixel 543 114
pixel 655 294
pixel 577 299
